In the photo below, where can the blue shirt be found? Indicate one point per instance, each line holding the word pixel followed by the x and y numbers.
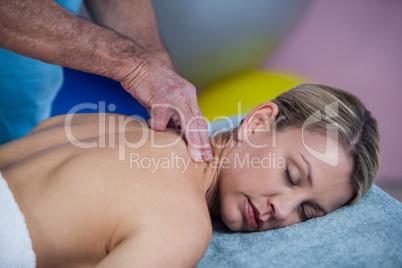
pixel 27 89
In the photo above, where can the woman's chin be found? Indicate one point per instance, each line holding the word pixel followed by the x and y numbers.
pixel 234 225
pixel 231 215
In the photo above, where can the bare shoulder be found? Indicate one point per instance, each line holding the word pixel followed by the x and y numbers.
pixel 165 224
pixel 174 231
pixel 157 207
pixel 162 248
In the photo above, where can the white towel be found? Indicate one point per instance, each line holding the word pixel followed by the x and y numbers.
pixel 15 243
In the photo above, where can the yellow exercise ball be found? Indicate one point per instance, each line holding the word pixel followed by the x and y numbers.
pixel 242 92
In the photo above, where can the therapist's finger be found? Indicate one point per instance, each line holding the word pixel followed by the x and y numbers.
pixel 196 132
pixel 202 126
pixel 159 117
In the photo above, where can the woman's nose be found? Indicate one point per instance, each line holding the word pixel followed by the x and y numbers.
pixel 282 207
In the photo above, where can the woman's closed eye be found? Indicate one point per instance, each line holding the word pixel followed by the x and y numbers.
pixel 304 216
pixel 307 213
pixel 289 178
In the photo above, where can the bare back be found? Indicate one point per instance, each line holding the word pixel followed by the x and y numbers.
pixel 104 189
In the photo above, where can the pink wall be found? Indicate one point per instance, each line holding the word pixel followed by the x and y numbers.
pixel 355 45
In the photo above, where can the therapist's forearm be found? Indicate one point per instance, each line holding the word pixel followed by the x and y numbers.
pixel 133 18
pixel 43 30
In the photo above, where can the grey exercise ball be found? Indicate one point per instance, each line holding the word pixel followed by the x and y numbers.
pixel 210 39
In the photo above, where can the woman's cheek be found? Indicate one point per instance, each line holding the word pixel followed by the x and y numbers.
pixel 231 214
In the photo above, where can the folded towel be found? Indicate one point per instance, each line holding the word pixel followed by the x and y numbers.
pixel 367 234
pixel 15 243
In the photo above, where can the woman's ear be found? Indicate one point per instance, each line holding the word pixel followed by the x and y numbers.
pixel 261 118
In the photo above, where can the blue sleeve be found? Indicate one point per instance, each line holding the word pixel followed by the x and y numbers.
pixel 27 89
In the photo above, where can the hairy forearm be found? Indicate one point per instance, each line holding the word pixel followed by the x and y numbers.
pixel 133 18
pixel 43 30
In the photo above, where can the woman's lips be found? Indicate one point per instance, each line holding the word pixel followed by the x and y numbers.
pixel 250 215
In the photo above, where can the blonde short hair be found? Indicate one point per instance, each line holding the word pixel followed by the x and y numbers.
pixel 339 112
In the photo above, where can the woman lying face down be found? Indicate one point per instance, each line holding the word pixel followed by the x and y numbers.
pixel 122 197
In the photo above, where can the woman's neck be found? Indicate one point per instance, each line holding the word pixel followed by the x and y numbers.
pixel 221 145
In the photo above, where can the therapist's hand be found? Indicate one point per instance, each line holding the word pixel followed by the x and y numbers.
pixel 45 31
pixel 169 97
